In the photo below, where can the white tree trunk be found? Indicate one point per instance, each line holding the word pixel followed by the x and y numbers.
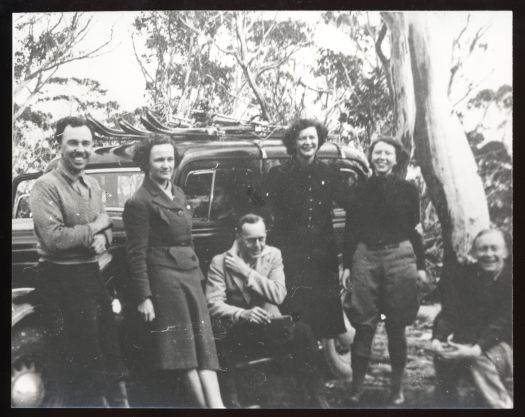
pixel 402 81
pixel 442 150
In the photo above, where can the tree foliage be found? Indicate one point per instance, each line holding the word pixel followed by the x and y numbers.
pixel 44 42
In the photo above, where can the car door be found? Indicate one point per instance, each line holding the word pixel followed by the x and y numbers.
pixel 219 192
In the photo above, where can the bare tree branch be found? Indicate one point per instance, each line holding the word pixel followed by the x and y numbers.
pixel 472 87
pixel 147 76
pixel 385 62
pixel 227 90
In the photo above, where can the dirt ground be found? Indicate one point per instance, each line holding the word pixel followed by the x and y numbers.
pixel 267 386
pixel 268 389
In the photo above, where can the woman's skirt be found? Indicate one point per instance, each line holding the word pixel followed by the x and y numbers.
pixel 181 332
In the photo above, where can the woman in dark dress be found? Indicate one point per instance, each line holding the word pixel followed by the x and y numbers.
pixel 384 253
pixel 165 274
pixel 300 194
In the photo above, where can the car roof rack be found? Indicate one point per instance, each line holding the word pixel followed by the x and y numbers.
pixel 206 126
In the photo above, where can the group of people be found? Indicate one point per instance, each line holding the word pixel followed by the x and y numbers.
pixel 283 296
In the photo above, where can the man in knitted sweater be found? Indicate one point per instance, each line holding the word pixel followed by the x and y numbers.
pixel 73 230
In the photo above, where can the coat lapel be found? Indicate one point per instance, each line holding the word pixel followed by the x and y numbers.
pixel 160 198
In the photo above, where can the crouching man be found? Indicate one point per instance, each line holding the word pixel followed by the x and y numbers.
pixel 473 332
pixel 245 286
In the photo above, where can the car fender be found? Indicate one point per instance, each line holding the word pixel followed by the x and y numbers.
pixel 21 305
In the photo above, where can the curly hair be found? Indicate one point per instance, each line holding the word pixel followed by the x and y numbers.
pixel 292 133
pixel 72 121
pixel 142 150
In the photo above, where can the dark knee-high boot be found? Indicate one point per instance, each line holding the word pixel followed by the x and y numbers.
pixel 397 349
pixel 359 368
pixel 361 349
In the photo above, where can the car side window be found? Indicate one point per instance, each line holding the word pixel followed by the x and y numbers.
pixel 198 188
pixel 219 194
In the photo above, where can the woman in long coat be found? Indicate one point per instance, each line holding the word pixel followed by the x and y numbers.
pixel 383 260
pixel 165 274
pixel 300 194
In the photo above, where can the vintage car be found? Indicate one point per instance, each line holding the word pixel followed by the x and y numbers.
pixel 220 169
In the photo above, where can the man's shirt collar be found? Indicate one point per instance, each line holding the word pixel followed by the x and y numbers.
pixel 69 176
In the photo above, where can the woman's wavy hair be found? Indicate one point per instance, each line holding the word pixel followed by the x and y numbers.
pixel 293 130
pixel 401 153
pixel 142 150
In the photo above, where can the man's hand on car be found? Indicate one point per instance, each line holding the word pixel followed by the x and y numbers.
pixel 256 315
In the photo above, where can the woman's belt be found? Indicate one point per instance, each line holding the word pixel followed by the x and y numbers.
pixel 183 243
pixel 382 245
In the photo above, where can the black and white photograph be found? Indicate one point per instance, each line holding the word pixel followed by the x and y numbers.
pixel 262 209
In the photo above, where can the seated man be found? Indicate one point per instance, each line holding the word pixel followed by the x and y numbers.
pixel 244 288
pixel 473 331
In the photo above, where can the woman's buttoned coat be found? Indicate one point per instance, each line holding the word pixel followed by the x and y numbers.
pixel 301 199
pixel 163 266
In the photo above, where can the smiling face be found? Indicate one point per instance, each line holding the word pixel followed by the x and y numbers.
pixel 76 148
pixel 252 239
pixel 383 158
pixel 490 251
pixel 161 163
pixel 307 144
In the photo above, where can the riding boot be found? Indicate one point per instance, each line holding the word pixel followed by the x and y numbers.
pixel 359 368
pixel 397 396
pixel 397 349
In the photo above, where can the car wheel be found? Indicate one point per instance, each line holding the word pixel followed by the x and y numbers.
pixel 337 352
pixel 33 383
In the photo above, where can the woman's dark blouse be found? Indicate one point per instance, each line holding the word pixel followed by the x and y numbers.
pixel 383 211
pixel 301 197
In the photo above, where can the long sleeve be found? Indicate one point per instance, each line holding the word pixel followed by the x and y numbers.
pixel 269 191
pixel 49 222
pixel 136 223
pixel 272 287
pixel 108 233
pixel 216 292
pixel 414 236
pixel 499 326
pixel 446 321
pixel 350 238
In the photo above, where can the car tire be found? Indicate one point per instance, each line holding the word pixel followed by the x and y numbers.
pixel 33 378
pixel 337 352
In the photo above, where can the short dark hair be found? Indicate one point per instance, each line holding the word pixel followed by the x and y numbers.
pixel 492 230
pixel 73 121
pixel 401 153
pixel 250 218
pixel 143 148
pixel 292 133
